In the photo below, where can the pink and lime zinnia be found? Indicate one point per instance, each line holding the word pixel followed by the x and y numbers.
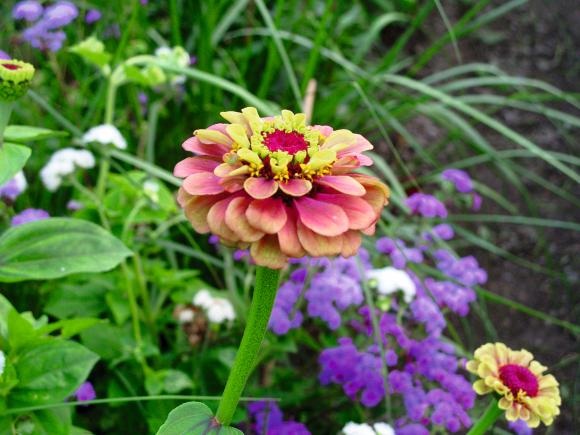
pixel 280 187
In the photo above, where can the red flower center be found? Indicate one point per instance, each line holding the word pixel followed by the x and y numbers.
pixel 280 140
pixel 518 378
pixel 10 66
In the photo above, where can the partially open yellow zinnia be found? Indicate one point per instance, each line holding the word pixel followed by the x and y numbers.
pixel 526 393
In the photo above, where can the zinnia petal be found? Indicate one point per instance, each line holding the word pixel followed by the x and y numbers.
pixel 343 184
pixel 237 221
pixel 296 187
pixel 260 188
pixel 266 252
pixel 193 165
pixel 288 237
pixel 324 218
pixel 203 183
pixel 317 245
pixel 194 145
pixel 267 215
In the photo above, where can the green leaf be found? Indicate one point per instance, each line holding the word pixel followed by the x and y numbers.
pixel 26 133
pixel 53 248
pixel 169 381
pixel 79 296
pixel 52 421
pixel 12 159
pixel 71 327
pixel 92 50
pixel 20 330
pixel 194 418
pixel 50 371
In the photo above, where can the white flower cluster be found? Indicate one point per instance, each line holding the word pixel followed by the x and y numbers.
pixel 2 362
pixel 63 163
pixel 105 134
pixel 389 280
pixel 218 310
pixel 20 181
pixel 366 429
pixel 151 190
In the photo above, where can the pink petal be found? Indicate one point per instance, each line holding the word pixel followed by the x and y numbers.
pixel 361 145
pixel 260 188
pixel 266 252
pixel 296 187
pixel 196 209
pixel 317 245
pixel 193 165
pixel 216 219
pixel 237 221
pixel 194 145
pixel 323 218
pixel 360 213
pixel 324 129
pixel 288 237
pixel 233 184
pixel 267 215
pixel 203 183
pixel 343 184
pixel 351 241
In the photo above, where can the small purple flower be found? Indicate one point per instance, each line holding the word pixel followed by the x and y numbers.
pixel 192 60
pixel 39 36
pixel 4 55
pixel 14 187
pixel 214 240
pixel 73 205
pixel 85 392
pixel 441 231
pixel 426 205
pixel 60 14
pixel 270 420
pixel 92 16
pixel 476 204
pixel 27 10
pixel 143 101
pixel 29 215
pixel 520 427
pixel 459 178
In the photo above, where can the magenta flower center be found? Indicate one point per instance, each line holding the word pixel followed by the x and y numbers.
pixel 10 66
pixel 280 140
pixel 518 378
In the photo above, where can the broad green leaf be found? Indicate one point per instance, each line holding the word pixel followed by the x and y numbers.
pixel 53 248
pixel 169 381
pixel 79 296
pixel 93 51
pixel 12 159
pixel 5 308
pixel 194 418
pixel 71 327
pixel 50 371
pixel 52 421
pixel 20 330
pixel 26 133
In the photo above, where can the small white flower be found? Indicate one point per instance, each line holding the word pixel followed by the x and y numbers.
pixel 105 134
pixel 2 362
pixel 389 280
pixel 63 163
pixel 151 189
pixel 186 316
pixel 352 428
pixel 20 181
pixel 218 310
pixel 384 429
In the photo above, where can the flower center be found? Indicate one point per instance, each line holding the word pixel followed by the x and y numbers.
pixel 10 66
pixel 518 378
pixel 280 140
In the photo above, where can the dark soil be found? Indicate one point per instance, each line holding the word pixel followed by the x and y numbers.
pixel 539 40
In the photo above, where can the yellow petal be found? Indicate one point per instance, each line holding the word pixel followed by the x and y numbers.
pixel 212 136
pixel 249 156
pixel 238 133
pixel 338 140
pixel 321 159
pixel 252 117
pixel 481 388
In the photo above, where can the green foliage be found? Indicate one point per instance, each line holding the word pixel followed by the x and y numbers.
pixel 193 418
pixel 13 157
pixel 57 247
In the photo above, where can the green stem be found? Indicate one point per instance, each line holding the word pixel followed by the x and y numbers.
pixel 260 310
pixel 5 112
pixel 487 419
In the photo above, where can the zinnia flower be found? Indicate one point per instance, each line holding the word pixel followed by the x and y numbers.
pixel 281 187
pixel 527 393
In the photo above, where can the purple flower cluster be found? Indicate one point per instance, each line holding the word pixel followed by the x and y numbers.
pixel 357 371
pixel 441 231
pixel 334 286
pixel 269 420
pixel 46 33
pixel 399 252
pixel 284 315
pixel 459 178
pixel 29 215
pixel 426 205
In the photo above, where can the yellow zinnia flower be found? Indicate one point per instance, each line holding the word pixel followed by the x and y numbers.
pixel 526 393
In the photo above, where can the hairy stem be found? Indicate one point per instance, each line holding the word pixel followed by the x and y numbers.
pixel 260 310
